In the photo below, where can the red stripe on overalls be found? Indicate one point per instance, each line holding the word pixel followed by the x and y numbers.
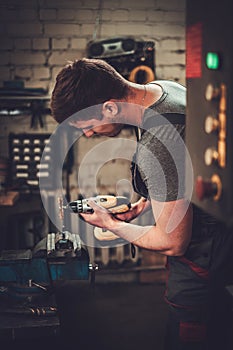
pixel 197 269
pixel 165 293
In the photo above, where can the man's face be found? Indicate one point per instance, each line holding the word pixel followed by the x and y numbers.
pixel 107 126
pixel 97 127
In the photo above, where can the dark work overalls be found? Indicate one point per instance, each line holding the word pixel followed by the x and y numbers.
pixel 200 311
pixel 200 315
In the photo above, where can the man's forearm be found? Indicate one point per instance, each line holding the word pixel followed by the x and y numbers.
pixel 147 237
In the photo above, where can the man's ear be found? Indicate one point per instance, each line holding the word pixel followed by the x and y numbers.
pixel 110 109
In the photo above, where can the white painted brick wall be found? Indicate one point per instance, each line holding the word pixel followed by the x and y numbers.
pixel 72 4
pixel 138 15
pixel 87 29
pixel 169 5
pixel 48 14
pixel 165 30
pixel 27 15
pixel 17 29
pixel 65 15
pixel 6 43
pixel 22 44
pixel 171 45
pixel 41 73
pixel 136 4
pixel 83 16
pixel 60 44
pixel 78 44
pixel 37 83
pixel 27 58
pixel 23 73
pixel 61 30
pixel 54 72
pixel 4 58
pixel 170 58
pixel 40 44
pixel 139 29
pixel 120 15
pixel 68 25
pixel 61 58
pixel 8 14
pixel 5 73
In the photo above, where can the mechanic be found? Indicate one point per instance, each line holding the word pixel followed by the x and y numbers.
pixel 197 246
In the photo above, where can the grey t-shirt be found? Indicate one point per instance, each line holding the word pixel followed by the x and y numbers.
pixel 160 156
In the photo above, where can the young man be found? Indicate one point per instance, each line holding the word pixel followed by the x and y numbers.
pixel 190 238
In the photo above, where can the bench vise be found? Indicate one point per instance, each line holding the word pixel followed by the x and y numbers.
pixel 57 257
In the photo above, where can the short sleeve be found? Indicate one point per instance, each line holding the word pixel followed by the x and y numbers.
pixel 161 162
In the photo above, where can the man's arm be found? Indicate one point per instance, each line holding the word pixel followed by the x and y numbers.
pixel 172 232
pixel 170 236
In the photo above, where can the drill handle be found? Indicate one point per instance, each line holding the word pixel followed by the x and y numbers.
pixel 106 201
pixel 120 209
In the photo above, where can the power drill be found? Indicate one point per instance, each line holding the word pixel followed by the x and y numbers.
pixel 115 204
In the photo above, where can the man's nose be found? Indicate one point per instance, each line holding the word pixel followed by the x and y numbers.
pixel 88 133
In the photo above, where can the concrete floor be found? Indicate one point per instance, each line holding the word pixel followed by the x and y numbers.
pixel 113 316
pixel 117 316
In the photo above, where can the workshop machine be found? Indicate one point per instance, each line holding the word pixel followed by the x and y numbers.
pixel 209 123
pixel 209 73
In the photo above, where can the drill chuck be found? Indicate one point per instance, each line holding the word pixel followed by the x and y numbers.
pixel 80 206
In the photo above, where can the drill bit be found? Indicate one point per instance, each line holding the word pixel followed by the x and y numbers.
pixel 61 213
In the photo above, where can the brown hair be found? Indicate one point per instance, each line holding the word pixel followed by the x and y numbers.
pixel 84 83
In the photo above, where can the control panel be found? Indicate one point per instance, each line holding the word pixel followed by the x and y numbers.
pixel 209 77
pixel 25 154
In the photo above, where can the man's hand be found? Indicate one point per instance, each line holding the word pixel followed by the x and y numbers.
pixel 101 217
pixel 137 208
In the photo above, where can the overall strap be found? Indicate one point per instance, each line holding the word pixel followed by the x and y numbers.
pixel 163 119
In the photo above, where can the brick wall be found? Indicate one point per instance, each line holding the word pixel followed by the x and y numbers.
pixel 39 36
